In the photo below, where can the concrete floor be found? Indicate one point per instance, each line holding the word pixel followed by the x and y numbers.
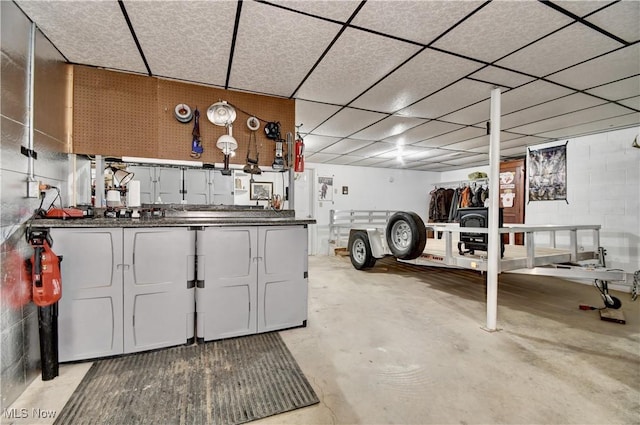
pixel 403 344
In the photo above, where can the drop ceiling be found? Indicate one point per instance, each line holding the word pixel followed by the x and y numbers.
pixel 397 84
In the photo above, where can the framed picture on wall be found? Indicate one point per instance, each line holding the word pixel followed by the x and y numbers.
pixel 325 186
pixel 260 191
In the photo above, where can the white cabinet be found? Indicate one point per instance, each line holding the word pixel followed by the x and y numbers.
pixel 90 312
pixel 198 186
pixel 124 290
pixel 222 189
pixel 250 279
pixel 282 277
pixel 194 186
pixel 169 185
pixel 158 287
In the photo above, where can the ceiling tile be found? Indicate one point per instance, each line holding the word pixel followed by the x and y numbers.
pixel 573 44
pixel 266 62
pixel 402 88
pixel 575 118
pixel 417 21
pixel 474 114
pixel 425 131
pixel 453 136
pixel 155 24
pixel 392 126
pixel 345 146
pixel 374 149
pixel 313 143
pixel 456 96
pixel 620 19
pixel 347 122
pixel 620 64
pixel 345 159
pixel 312 114
pixel 336 10
pixel 632 102
pixel 391 163
pixel 73 26
pixel 531 94
pixel 422 132
pixel 618 90
pixel 500 28
pixel 320 157
pixel 480 141
pixel 595 126
pixel 549 109
pixel 501 77
pixel 582 7
pixel 356 53
pixel 435 166
pixel 472 159
pixel 514 152
pixel 405 152
pixel 512 143
pixel 367 162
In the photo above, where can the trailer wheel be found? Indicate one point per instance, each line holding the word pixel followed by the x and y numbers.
pixel 360 251
pixel 406 235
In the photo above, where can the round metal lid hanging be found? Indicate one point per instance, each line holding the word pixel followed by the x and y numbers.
pixel 221 113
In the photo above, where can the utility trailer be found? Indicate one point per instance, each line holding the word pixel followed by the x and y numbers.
pixel 404 236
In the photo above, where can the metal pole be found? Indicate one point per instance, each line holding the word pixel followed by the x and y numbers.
pixel 493 265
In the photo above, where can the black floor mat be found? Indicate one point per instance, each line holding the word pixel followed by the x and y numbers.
pixel 231 381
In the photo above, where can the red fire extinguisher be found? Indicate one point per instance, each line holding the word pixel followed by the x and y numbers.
pixel 299 162
pixel 45 269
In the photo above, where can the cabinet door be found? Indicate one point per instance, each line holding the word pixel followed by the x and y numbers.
pixel 90 310
pixel 282 277
pixel 159 284
pixel 222 189
pixel 226 287
pixel 197 184
pixel 147 178
pixel 169 185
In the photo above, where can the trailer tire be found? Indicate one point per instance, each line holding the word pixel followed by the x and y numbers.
pixel 360 251
pixel 406 235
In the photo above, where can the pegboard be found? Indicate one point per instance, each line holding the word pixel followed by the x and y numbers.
pixel 114 113
pixel 176 136
pixel 120 114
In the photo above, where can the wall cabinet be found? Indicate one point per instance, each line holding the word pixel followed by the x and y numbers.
pixel 250 279
pixel 124 290
pixel 175 185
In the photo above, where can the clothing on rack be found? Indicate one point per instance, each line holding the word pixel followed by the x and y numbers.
pixel 445 202
pixel 440 205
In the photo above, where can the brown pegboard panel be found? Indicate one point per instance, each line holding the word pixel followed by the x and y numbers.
pixel 114 113
pixel 175 137
pixel 120 114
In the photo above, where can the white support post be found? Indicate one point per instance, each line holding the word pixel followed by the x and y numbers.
pixel 493 265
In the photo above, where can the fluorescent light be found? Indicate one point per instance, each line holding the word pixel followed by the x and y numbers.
pixel 161 161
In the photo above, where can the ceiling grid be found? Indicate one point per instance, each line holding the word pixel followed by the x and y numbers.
pixel 394 84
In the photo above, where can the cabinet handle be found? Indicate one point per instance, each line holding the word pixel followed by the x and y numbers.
pixel 123 266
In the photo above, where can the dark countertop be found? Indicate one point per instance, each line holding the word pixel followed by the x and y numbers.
pixel 185 218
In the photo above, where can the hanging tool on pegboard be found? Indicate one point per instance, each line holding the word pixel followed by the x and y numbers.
pixel 196 144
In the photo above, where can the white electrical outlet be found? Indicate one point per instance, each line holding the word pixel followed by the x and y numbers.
pixel 33 189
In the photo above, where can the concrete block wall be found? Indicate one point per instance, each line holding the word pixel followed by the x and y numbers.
pixel 19 344
pixel 603 187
